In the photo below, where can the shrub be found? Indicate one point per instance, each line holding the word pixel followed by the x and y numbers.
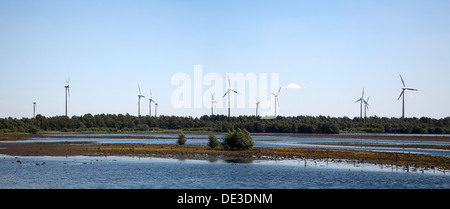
pixel 181 139
pixel 143 127
pixel 238 139
pixel 213 142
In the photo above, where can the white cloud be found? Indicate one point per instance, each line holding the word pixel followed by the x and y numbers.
pixel 294 86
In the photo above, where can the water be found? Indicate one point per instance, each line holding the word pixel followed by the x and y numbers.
pixel 166 173
pixel 159 173
pixel 261 140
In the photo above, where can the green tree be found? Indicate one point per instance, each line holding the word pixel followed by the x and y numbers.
pixel 181 139
pixel 143 127
pixel 213 142
pixel 238 139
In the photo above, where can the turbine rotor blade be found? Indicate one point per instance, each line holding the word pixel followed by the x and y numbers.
pixel 226 93
pixel 139 89
pixel 229 83
pixel 401 95
pixel 402 81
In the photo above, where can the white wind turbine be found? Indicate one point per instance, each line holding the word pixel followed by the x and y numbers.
pixel 150 104
pixel 276 100
pixel 228 92
pixel 156 108
pixel 257 105
pixel 212 103
pixel 67 86
pixel 404 88
pixel 139 100
pixel 361 100
pixel 34 108
pixel 366 106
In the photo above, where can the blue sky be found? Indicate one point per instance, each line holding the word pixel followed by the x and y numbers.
pixel 333 48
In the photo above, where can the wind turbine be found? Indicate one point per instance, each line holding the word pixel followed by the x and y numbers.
pixel 404 88
pixel 228 92
pixel 366 106
pixel 276 100
pixel 156 108
pixel 150 104
pixel 212 103
pixel 361 100
pixel 257 105
pixel 139 100
pixel 34 108
pixel 67 86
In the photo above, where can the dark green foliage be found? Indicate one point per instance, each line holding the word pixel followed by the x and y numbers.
pixel 213 142
pixel 221 123
pixel 181 139
pixel 238 139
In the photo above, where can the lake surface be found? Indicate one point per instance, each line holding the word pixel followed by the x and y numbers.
pixel 160 173
pixel 166 173
pixel 261 140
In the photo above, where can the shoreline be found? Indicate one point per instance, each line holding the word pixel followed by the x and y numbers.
pixel 141 135
pixel 204 152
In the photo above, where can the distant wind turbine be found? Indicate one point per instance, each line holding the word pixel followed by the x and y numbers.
pixel 366 106
pixel 257 105
pixel 212 103
pixel 404 88
pixel 156 108
pixel 67 86
pixel 361 100
pixel 139 100
pixel 150 104
pixel 228 92
pixel 276 100
pixel 34 108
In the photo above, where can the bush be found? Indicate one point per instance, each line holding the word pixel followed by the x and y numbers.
pixel 213 142
pixel 238 139
pixel 143 127
pixel 181 139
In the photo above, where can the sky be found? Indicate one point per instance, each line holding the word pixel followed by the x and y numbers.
pixel 322 53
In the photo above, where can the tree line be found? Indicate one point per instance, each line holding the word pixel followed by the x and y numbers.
pixel 222 123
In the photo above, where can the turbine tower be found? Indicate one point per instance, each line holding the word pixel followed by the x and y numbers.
pixel 139 101
pixel 404 88
pixel 67 86
pixel 34 108
pixel 228 92
pixel 361 100
pixel 257 105
pixel 156 108
pixel 276 100
pixel 150 104
pixel 212 104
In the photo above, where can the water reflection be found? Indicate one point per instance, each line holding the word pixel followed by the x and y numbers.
pixel 154 173
pixel 239 160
